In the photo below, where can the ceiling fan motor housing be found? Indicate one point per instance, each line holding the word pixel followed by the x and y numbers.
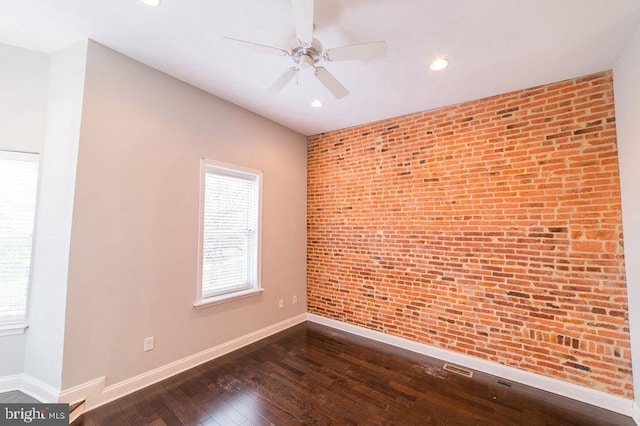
pixel 306 57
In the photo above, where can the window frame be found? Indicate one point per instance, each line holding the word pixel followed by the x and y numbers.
pixel 19 327
pixel 207 166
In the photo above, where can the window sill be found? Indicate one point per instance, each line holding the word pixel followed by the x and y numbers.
pixel 11 329
pixel 224 298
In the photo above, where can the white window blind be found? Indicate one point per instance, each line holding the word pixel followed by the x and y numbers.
pixel 18 184
pixel 230 233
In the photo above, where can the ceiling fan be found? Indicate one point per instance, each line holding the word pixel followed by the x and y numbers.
pixel 307 52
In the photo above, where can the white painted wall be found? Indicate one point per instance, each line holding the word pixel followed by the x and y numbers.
pixel 626 78
pixel 132 265
pixel 24 86
pixel 11 355
pixel 45 338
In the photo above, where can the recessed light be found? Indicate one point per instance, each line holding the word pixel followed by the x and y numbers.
pixel 439 64
pixel 152 3
pixel 316 103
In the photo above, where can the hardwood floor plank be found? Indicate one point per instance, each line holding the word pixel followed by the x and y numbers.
pixel 265 407
pixel 16 397
pixel 310 374
pixel 289 399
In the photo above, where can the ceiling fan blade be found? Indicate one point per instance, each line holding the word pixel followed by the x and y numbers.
pixel 303 20
pixel 285 78
pixel 331 83
pixel 256 47
pixel 362 52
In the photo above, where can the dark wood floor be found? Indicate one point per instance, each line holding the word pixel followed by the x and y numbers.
pixel 311 374
pixel 16 397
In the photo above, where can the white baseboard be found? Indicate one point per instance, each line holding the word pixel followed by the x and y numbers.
pixel 590 396
pixel 96 394
pixel 76 413
pixel 10 383
pixel 30 386
pixel 39 390
pixel 636 412
pixel 81 392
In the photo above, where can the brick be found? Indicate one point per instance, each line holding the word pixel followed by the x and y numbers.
pixel 491 228
pixel 589 246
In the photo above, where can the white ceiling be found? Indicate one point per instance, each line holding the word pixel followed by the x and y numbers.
pixel 494 46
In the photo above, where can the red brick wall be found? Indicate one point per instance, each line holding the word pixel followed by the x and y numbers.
pixel 491 228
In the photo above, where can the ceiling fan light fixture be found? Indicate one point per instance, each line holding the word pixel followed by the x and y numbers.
pixel 152 3
pixel 308 53
pixel 316 103
pixel 439 64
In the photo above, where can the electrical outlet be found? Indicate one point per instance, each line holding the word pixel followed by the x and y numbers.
pixel 281 304
pixel 295 299
pixel 148 344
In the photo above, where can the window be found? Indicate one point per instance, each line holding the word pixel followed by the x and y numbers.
pixel 229 265
pixel 18 184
